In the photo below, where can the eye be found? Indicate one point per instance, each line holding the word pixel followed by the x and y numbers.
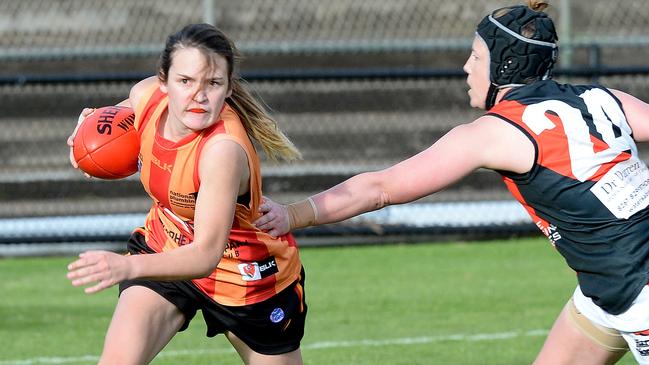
pixel 215 83
pixel 184 81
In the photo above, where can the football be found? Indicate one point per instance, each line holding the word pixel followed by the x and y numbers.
pixel 106 145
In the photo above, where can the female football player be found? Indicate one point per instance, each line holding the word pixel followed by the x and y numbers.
pixel 198 248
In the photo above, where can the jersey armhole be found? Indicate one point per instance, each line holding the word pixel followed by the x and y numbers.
pixel 141 108
pixel 225 137
pixel 524 177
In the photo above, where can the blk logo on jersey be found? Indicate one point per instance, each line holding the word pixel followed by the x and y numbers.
pixel 252 271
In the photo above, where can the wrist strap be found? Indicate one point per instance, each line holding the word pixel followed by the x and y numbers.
pixel 302 214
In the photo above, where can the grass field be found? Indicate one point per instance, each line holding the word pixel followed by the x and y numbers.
pixel 461 303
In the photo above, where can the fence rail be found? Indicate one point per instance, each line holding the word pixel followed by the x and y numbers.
pixel 356 84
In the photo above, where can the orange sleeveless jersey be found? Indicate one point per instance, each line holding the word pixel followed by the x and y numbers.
pixel 254 266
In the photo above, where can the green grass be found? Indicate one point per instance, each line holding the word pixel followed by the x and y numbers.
pixel 394 304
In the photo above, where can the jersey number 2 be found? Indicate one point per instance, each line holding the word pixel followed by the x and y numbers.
pixel 607 118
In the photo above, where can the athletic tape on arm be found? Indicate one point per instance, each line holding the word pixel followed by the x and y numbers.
pixel 302 214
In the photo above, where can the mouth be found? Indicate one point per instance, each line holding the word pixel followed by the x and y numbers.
pixel 197 110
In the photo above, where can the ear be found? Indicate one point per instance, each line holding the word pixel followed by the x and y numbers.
pixel 229 93
pixel 163 87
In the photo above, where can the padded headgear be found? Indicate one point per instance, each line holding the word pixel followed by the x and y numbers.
pixel 516 59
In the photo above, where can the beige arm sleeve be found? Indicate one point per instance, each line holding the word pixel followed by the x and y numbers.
pixel 302 214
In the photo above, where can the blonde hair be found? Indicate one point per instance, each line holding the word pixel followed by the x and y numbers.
pixel 260 126
pixel 537 5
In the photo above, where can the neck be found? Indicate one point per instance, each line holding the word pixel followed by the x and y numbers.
pixel 170 130
pixel 500 93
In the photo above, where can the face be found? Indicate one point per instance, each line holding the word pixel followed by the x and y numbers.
pixel 197 89
pixel 477 70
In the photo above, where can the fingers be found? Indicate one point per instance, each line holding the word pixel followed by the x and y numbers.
pixel 70 141
pixel 86 112
pixel 264 207
pixel 73 161
pixel 83 271
pixel 263 221
pixel 274 233
pixel 272 224
pixel 101 285
pixel 87 279
pixel 273 219
pixel 91 267
pixel 268 221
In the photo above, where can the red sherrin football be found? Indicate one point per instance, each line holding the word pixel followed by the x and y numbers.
pixel 106 144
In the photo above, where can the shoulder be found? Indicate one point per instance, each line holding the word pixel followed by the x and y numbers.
pixel 635 111
pixel 142 89
pixel 500 144
pixel 491 125
pixel 224 155
pixel 625 98
pixel 223 147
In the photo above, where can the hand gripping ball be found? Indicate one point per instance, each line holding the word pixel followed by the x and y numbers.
pixel 106 144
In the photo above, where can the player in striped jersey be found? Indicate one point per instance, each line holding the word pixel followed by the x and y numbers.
pixel 198 248
pixel 566 152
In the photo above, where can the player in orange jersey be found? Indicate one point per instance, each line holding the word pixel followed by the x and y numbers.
pixel 566 152
pixel 198 248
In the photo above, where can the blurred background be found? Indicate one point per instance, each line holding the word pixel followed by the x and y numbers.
pixel 357 85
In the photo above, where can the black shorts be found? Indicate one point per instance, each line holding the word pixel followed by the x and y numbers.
pixel 272 327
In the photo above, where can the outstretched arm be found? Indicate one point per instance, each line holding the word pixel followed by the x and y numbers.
pixel 487 142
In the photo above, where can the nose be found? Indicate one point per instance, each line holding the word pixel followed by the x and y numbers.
pixel 200 95
pixel 465 68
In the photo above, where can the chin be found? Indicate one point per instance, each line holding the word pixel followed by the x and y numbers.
pixel 475 103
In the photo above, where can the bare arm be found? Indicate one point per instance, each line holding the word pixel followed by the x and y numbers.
pixel 637 114
pixel 137 92
pixel 487 142
pixel 223 171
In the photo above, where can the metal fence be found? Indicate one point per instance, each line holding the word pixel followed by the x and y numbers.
pixel 358 85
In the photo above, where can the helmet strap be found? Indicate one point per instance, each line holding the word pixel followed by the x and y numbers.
pixel 490 101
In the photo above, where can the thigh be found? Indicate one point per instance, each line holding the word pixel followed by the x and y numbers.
pixel 143 323
pixel 569 345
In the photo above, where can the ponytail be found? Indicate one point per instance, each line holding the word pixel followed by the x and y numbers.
pixel 259 125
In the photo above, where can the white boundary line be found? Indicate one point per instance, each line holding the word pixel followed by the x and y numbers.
pixel 313 346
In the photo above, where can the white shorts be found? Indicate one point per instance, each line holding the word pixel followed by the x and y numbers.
pixel 633 324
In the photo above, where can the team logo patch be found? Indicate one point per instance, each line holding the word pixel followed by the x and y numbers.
pixel 252 271
pixel 277 315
